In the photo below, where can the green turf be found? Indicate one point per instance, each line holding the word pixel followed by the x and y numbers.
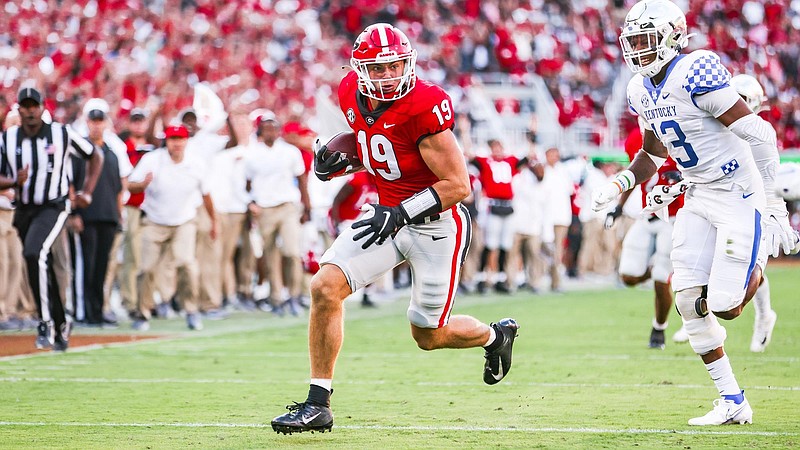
pixel 582 376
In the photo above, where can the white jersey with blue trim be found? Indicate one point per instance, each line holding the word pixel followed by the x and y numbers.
pixel 705 150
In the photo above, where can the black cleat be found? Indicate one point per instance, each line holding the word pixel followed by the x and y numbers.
pixel 657 339
pixel 304 417
pixel 481 287
pixel 62 337
pixel 45 336
pixel 501 288
pixel 498 361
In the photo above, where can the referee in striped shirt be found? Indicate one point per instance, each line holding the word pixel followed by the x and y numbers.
pixel 34 158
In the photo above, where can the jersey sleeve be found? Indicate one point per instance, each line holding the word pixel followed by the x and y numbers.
pixel 434 115
pixel 79 145
pixel 347 88
pixel 706 74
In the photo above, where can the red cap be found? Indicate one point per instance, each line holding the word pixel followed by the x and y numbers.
pixel 178 131
pixel 296 128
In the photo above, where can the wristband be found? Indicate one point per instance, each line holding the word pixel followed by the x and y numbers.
pixel 422 204
pixel 625 181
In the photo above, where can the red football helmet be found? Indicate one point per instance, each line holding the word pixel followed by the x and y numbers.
pixel 382 43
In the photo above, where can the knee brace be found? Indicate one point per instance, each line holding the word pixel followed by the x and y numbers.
pixel 705 332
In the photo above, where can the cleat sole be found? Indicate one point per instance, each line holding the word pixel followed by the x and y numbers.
pixel 291 430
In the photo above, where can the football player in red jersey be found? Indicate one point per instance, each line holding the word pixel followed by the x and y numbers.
pixel 403 126
pixel 647 245
pixel 496 173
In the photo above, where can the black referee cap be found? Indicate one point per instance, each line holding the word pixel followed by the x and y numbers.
pixel 96 114
pixel 29 93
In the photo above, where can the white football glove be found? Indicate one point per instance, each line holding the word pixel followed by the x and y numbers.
pixel 661 196
pixel 604 196
pixel 778 232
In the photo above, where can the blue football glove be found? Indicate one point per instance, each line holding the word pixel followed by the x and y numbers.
pixel 380 226
pixel 326 167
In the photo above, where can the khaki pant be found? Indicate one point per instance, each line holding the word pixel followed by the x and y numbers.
pixel 16 298
pixel 231 226
pixel 245 264
pixel 112 271
pixel 282 221
pixel 560 233
pixel 131 255
pixel 209 263
pixel 62 266
pixel 597 250
pixel 176 243
pixel 525 254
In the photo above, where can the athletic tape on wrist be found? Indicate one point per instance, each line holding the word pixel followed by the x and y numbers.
pixel 422 204
pixel 625 180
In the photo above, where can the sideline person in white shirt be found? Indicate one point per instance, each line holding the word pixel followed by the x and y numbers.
pixel 172 181
pixel 206 144
pixel 278 185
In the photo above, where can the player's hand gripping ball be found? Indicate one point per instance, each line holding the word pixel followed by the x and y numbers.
pixel 336 158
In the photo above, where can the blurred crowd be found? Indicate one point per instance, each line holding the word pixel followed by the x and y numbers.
pixel 278 54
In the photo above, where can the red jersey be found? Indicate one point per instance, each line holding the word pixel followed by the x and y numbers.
pixel 667 174
pixel 496 175
pixel 134 155
pixel 388 137
pixel 363 192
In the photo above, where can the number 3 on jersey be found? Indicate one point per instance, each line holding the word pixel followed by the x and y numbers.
pixel 691 157
pixel 379 150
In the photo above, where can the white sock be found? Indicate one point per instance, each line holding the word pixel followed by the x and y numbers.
pixel 659 326
pixel 492 337
pixel 761 300
pixel 722 374
pixel 325 383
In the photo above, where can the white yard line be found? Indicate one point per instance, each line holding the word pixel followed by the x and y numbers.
pixel 698 432
pixel 24 379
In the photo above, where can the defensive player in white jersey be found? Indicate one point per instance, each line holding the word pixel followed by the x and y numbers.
pixel 729 220
pixel 753 94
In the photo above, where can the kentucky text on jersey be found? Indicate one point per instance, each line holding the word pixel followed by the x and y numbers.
pixel 664 111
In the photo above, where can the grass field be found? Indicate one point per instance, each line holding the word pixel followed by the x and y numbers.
pixel 583 377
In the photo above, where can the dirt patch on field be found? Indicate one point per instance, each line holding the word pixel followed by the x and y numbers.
pixel 11 345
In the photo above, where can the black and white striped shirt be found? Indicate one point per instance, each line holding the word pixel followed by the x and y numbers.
pixel 47 156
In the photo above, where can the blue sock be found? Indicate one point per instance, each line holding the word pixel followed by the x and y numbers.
pixel 738 398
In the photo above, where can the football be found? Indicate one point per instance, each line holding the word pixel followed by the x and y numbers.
pixel 345 143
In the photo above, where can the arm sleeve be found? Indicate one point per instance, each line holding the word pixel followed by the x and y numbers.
pixel 79 145
pixel 763 143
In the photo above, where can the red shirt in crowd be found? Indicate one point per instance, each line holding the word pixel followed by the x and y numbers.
pixel 496 175
pixel 667 174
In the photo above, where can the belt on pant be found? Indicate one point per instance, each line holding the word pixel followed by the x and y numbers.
pixel 434 217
